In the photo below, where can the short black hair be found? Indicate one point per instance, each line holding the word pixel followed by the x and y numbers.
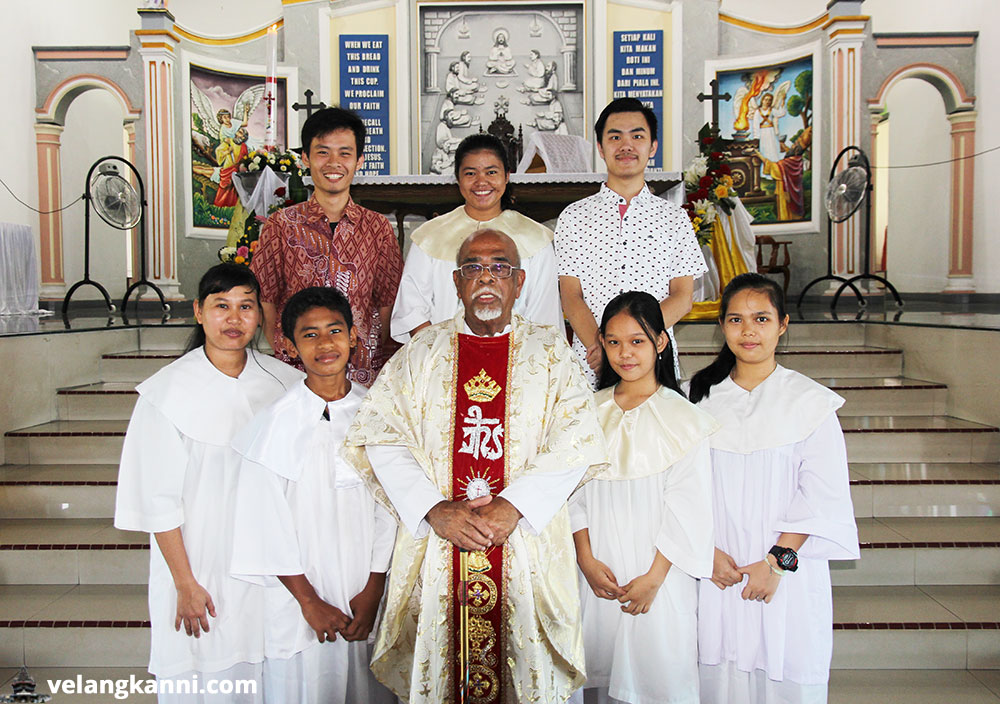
pixel 314 297
pixel 323 122
pixel 626 105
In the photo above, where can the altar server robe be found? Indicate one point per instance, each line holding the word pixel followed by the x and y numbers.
pixel 779 466
pixel 656 496
pixel 301 509
pixel 552 443
pixel 178 470
pixel 427 292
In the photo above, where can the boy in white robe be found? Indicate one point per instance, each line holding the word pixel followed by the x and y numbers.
pixel 307 526
pixel 177 481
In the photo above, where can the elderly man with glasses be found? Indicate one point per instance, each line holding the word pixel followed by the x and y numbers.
pixel 475 434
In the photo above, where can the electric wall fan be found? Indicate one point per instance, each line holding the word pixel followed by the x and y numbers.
pixel 850 184
pixel 118 204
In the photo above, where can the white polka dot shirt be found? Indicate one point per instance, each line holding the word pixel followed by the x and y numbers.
pixel 653 243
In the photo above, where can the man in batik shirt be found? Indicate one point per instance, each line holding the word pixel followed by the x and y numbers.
pixel 332 241
pixel 475 434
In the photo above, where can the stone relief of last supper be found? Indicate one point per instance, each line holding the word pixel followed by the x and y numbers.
pixel 528 60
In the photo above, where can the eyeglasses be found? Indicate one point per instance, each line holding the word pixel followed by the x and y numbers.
pixel 499 270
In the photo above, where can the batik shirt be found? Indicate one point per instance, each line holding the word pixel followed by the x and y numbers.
pixel 359 256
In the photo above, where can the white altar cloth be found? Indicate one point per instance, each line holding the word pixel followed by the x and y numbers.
pixel 18 271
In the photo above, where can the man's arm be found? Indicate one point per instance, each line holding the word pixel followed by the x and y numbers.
pixel 678 303
pixel 581 319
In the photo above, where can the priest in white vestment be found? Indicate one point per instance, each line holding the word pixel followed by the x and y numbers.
pixel 426 293
pixel 302 509
pixel 779 466
pixel 475 434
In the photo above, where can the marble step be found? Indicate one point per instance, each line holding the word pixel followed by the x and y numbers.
pixel 172 336
pixel 71 551
pixel 709 334
pixel 923 551
pixel 136 365
pixel 814 361
pixel 914 686
pixel 58 491
pixel 67 442
pixel 110 400
pixel 891 395
pixel 925 489
pixel 74 626
pixel 928 627
pixel 919 439
pixel 122 675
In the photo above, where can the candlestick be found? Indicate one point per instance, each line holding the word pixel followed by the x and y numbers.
pixel 271 86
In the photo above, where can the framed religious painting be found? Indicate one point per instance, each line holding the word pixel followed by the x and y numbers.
pixel 223 120
pixel 771 123
pixel 509 69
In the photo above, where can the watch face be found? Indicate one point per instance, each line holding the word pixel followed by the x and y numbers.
pixel 787 560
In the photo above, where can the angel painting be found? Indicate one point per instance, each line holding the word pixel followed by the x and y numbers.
pixel 760 107
pixel 229 138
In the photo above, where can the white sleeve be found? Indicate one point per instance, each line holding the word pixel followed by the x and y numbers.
pixel 412 494
pixel 385 539
pixel 578 510
pixel 542 305
pixel 415 297
pixel 151 473
pixel 685 536
pixel 265 542
pixel 540 495
pixel 821 507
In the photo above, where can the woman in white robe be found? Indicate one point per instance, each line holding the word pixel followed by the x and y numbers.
pixel 177 481
pixel 650 511
pixel 782 510
pixel 426 290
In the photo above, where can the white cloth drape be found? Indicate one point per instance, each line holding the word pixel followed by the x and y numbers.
pixel 18 271
pixel 735 227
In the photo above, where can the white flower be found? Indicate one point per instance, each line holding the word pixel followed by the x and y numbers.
pixel 254 166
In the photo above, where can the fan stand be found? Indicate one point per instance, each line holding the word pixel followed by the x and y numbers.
pixel 87 281
pixel 830 276
pixel 867 275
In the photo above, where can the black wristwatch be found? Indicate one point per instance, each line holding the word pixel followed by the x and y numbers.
pixel 786 558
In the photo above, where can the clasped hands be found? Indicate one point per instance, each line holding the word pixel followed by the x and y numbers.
pixel 474 525
pixel 761 585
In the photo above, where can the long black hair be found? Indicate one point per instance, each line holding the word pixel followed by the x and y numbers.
pixel 703 381
pixel 645 310
pixel 485 142
pixel 220 278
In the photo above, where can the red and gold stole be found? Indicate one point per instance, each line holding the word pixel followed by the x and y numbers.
pixel 479 468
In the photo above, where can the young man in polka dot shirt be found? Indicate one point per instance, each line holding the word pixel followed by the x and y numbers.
pixel 623 238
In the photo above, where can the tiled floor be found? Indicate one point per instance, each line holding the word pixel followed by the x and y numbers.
pixel 924 471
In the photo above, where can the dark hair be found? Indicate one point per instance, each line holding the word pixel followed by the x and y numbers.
pixel 645 310
pixel 485 142
pixel 323 122
pixel 703 381
pixel 626 105
pixel 218 279
pixel 314 297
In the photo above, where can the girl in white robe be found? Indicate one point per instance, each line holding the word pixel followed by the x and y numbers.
pixel 643 529
pixel 301 509
pixel 426 290
pixel 782 511
pixel 177 481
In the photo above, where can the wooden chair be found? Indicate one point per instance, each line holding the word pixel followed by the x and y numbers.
pixel 772 266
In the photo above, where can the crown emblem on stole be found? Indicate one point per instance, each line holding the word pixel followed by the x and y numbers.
pixel 482 388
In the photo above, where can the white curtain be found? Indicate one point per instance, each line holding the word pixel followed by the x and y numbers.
pixel 18 271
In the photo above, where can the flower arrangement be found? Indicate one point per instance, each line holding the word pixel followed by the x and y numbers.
pixel 708 183
pixel 242 251
pixel 280 162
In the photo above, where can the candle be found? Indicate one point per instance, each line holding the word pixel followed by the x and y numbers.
pixel 271 86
